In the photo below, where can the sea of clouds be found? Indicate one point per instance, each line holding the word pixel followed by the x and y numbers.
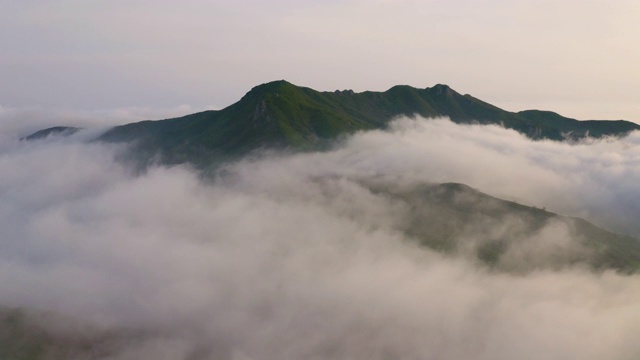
pixel 290 256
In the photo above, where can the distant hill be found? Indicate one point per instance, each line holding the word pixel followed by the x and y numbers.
pixel 52 131
pixel 451 218
pixel 456 218
pixel 282 115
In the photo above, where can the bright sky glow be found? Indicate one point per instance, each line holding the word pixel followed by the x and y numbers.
pixel 578 58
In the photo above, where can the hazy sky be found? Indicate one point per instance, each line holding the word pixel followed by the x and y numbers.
pixel 579 58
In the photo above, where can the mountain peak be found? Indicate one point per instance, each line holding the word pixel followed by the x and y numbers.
pixel 279 114
pixel 442 89
pixel 272 86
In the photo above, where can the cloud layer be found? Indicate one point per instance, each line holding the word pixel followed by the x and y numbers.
pixel 593 179
pixel 292 256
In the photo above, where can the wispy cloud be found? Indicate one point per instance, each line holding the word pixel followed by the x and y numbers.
pixel 293 256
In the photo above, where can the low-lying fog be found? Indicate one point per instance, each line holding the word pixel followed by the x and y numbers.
pixel 292 257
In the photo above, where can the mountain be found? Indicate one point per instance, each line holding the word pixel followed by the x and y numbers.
pixel 29 334
pixel 52 131
pixel 282 115
pixel 451 218
pixel 499 235
pixel 455 218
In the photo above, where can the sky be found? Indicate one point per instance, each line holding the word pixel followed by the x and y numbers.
pixel 578 58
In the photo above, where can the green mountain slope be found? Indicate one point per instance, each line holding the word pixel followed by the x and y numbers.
pixel 282 115
pixel 30 334
pixel 455 218
pixel 577 129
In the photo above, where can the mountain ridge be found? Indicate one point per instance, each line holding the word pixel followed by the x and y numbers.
pixel 282 115
pixel 441 219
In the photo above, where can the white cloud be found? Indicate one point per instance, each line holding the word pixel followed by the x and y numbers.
pixel 595 179
pixel 292 257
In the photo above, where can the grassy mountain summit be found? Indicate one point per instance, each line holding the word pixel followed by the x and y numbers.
pixel 282 115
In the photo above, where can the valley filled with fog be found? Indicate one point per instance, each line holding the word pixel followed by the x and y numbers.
pixel 310 256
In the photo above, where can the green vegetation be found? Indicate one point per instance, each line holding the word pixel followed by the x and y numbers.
pixel 574 129
pixel 17 339
pixel 281 115
pixel 451 218
pixel 455 218
pixel 28 334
